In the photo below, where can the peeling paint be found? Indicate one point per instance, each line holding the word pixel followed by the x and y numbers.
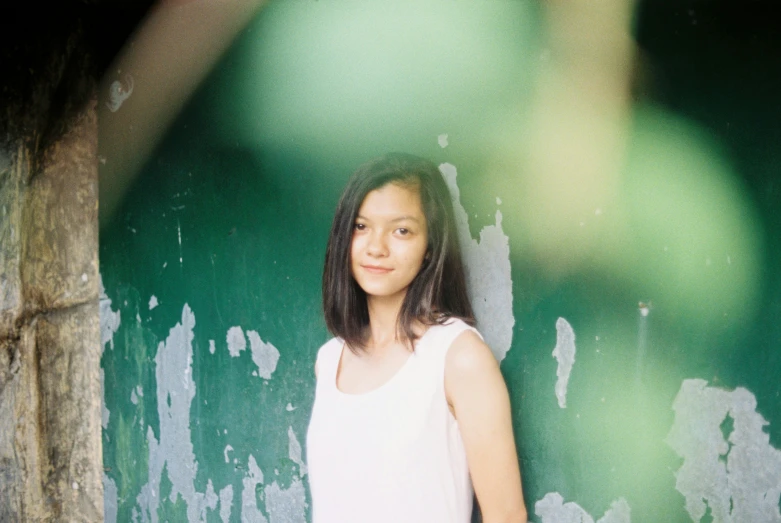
pixel 109 500
pixel 109 319
pixel 286 505
pixel 174 450
pixel 227 449
pixel 236 341
pixel 442 140
pixel 487 264
pixel 564 352
pixel 118 93
pixel 212 347
pixel 294 451
pixel 737 476
pixel 153 302
pixel 104 412
pixel 249 506
pixel 289 407
pixel 226 501
pixel 552 509
pixel 133 397
pixel 265 355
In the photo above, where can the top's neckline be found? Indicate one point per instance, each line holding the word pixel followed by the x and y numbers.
pixel 387 383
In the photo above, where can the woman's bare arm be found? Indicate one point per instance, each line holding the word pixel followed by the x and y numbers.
pixel 476 391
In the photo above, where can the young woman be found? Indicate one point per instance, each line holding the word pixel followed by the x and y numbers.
pixel 411 412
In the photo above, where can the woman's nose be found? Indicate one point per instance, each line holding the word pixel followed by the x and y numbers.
pixel 377 245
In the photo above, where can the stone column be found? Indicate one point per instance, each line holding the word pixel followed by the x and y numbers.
pixel 50 432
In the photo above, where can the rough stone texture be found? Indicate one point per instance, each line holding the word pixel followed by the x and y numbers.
pixel 68 348
pixel 21 491
pixel 60 237
pixel 50 432
pixel 13 175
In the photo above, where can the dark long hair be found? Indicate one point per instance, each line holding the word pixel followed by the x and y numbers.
pixel 438 291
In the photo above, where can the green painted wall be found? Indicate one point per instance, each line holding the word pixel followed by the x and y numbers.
pixel 226 227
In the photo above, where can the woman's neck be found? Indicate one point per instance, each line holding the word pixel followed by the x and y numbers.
pixel 383 320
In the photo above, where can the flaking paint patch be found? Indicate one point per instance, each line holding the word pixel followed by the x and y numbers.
pixel 250 513
pixel 109 319
pixel 552 509
pixel 487 264
pixel 118 93
pixel 174 450
pixel 294 451
pixel 737 477
pixel 104 412
pixel 226 502
pixel 153 302
pixel 265 355
pixel 564 352
pixel 236 341
pixel 109 500
pixel 286 505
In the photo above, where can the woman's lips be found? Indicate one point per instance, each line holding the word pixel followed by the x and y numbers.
pixel 375 269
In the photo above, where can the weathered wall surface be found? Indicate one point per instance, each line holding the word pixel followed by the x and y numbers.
pixel 638 371
pixel 50 457
pixel 50 389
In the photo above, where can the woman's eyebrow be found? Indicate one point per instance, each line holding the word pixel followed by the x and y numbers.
pixel 394 220
pixel 404 218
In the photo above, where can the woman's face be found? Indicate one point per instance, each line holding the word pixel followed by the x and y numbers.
pixel 389 241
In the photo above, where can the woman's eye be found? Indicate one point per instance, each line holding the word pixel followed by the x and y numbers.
pixel 403 231
pixel 359 226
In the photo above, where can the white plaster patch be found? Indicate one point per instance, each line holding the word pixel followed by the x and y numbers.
pixel 564 352
pixel 487 265
pixel 286 505
pixel 294 451
pixel 212 347
pixel 226 501
pixel 104 412
pixel 153 302
pixel 133 397
pixel 227 449
pixel 737 476
pixel 109 319
pixel 118 93
pixel 552 509
pixel 442 140
pixel 174 450
pixel 110 507
pixel 250 513
pixel 236 341
pixel 289 407
pixel 265 355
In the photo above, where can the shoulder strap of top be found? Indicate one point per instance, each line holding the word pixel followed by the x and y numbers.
pixel 451 329
pixel 437 341
pixel 328 360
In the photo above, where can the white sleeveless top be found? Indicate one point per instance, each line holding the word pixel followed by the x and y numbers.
pixel 393 454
